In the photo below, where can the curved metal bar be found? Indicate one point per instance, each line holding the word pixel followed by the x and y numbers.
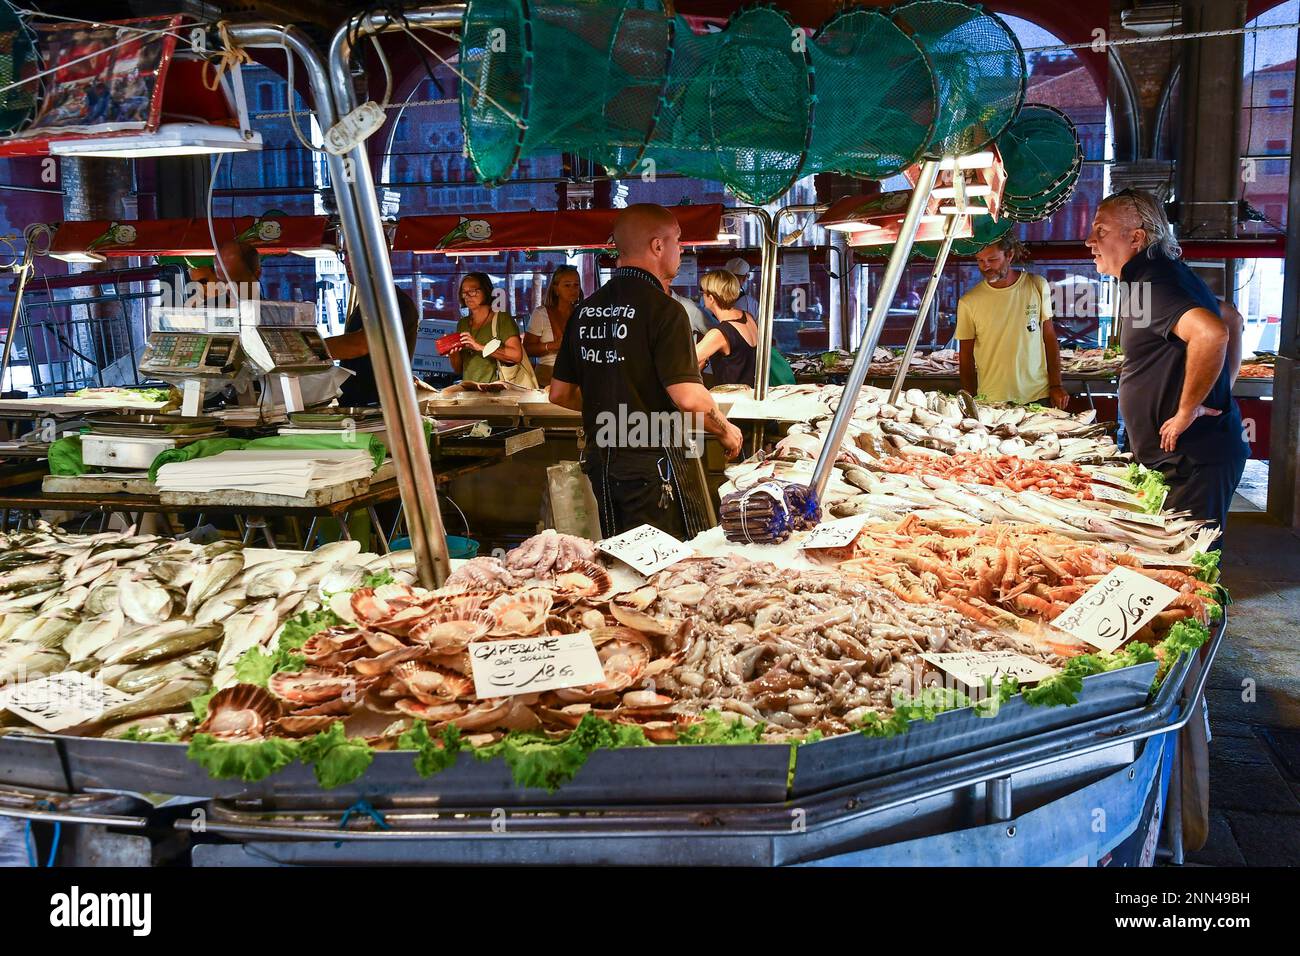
pixel 885 298
pixel 372 274
pixel 931 289
pixel 55 816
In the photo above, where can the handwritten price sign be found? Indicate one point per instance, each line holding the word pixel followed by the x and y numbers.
pixel 530 665
pixel 1115 608
pixel 62 701
pixel 835 534
pixel 1107 493
pixel 647 549
pixel 972 667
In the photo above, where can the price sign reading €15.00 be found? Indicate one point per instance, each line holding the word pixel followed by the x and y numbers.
pixel 973 667
pixel 530 665
pixel 61 701
pixel 1115 608
pixel 647 549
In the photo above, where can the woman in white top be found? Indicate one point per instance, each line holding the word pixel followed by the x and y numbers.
pixel 546 327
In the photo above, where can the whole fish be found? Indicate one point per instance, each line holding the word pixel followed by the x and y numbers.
pixel 37 571
pixel 12 621
pixel 131 641
pixel 24 662
pixel 272 583
pixel 28 595
pixel 212 579
pixel 89 636
pixel 69 599
pixel 144 601
pixel 221 606
pixel 166 698
pixel 141 679
pixel 336 551
pixel 45 630
pixel 251 627
pixel 179 723
pixel 173 645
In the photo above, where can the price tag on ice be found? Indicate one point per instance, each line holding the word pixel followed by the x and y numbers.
pixel 1108 493
pixel 61 701
pixel 972 667
pixel 529 665
pixel 839 533
pixel 1138 517
pixel 647 549
pixel 1115 608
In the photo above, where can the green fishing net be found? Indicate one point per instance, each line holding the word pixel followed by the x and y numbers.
pixel 978 65
pixel 877 102
pixel 738 105
pixel 18 59
pixel 1040 150
pixel 578 76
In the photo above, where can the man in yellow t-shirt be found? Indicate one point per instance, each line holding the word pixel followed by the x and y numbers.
pixel 1007 345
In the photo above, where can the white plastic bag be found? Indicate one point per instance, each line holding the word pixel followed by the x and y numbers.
pixel 572 503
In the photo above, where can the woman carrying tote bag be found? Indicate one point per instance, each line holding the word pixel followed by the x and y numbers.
pixel 490 349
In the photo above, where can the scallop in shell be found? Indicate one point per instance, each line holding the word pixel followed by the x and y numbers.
pixel 433 685
pixel 522 613
pixel 334 646
pixel 451 628
pixel 296 726
pixel 584 579
pixel 241 712
pixel 311 685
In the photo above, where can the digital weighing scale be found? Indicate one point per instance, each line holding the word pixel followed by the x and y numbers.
pixel 274 341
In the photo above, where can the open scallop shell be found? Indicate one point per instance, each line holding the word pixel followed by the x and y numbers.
pixel 335 707
pixel 378 666
pixel 297 726
pixel 449 629
pixel 310 686
pixel 333 646
pixel 433 685
pixel 639 620
pixel 522 613
pixel 433 713
pixel 241 712
pixel 584 579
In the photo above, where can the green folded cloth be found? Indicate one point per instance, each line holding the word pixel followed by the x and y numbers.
pixel 215 446
pixel 65 457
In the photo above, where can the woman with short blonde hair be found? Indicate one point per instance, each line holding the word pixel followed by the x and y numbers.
pixel 732 347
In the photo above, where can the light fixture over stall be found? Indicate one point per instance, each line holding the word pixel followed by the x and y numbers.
pixel 170 139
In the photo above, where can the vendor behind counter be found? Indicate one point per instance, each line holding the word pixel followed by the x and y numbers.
pixel 352 351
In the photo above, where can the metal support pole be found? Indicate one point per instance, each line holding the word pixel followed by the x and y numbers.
pixel 767 297
pixel 24 270
pixel 998 792
pixel 885 298
pixel 372 274
pixel 931 290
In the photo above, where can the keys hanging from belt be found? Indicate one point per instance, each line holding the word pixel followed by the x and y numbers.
pixel 666 495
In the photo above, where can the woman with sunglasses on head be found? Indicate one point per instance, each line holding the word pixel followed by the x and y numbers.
pixel 546 327
pixel 488 338
pixel 732 347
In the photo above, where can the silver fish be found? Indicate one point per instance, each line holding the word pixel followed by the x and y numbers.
pixel 12 621
pixel 175 572
pixel 136 640
pixel 221 606
pixel 29 596
pixel 24 662
pixel 144 678
pixel 39 571
pixel 167 698
pixel 173 645
pixel 179 723
pixel 336 551
pixel 89 636
pixel 102 600
pixel 69 599
pixel 212 579
pixel 272 583
pixel 144 601
pixel 251 627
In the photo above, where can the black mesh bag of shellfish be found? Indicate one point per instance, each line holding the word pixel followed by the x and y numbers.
pixel 768 513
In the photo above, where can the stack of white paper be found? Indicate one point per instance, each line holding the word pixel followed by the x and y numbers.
pixel 288 472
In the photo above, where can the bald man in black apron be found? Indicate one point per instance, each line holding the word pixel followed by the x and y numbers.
pixel 627 362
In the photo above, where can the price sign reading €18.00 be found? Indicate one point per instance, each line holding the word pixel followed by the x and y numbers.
pixel 1115 608
pixel 647 549
pixel 530 665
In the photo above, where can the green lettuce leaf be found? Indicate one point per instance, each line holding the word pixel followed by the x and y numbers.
pixel 200 706
pixel 255 666
pixel 297 629
pixel 249 762
pixel 151 736
pixel 335 758
pixel 716 729
pixel 378 579
pixel 434 754
pixel 1207 566
pixel 1186 636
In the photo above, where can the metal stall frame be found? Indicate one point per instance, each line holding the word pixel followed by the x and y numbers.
pixel 879 313
pixel 372 271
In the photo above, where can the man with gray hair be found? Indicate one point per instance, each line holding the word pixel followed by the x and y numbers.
pixel 1175 390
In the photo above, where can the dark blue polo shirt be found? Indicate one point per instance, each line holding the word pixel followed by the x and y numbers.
pixel 1161 290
